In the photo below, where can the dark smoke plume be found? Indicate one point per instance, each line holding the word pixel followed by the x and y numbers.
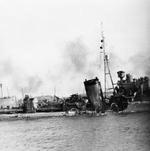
pixel 78 63
pixel 78 59
pixel 75 56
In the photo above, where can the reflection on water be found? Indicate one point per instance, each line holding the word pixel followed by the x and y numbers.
pixel 126 132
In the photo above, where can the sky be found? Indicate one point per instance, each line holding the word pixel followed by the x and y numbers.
pixel 50 47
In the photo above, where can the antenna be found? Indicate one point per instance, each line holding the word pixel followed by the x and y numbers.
pixel 106 63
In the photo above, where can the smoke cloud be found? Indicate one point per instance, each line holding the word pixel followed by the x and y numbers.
pixel 30 84
pixel 6 68
pixel 18 78
pixel 78 63
pixel 141 63
pixel 79 59
pixel 138 64
pixel 76 55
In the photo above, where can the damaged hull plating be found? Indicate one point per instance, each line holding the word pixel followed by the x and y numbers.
pixel 94 94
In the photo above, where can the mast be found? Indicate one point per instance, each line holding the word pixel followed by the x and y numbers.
pixel 104 60
pixel 106 65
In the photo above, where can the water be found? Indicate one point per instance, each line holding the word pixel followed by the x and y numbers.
pixel 126 132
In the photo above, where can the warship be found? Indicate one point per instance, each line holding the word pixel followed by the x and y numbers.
pixel 128 94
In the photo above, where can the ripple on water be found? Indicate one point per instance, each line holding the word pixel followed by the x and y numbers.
pixel 111 133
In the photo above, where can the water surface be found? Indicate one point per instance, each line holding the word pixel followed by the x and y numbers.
pixel 125 132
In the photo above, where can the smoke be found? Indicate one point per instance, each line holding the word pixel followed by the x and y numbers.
pixel 76 55
pixel 79 59
pixel 76 63
pixel 6 68
pixel 33 83
pixel 29 84
pixel 141 63
pixel 18 78
pixel 115 62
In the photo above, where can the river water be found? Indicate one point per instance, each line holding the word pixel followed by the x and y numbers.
pixel 113 132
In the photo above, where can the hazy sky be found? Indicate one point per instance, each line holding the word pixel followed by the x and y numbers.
pixel 47 45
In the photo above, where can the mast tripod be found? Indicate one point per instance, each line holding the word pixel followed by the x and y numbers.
pixel 106 66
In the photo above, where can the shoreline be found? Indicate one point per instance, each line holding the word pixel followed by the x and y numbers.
pixel 30 116
pixel 134 107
